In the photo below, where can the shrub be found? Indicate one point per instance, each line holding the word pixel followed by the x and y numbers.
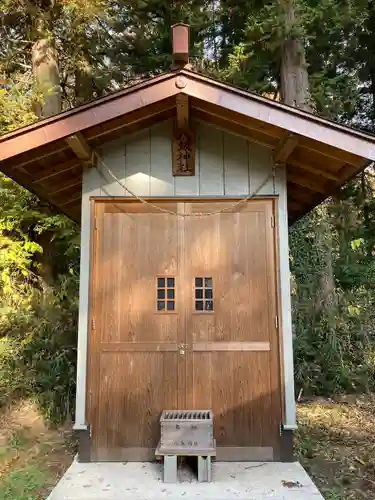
pixel 333 316
pixel 38 337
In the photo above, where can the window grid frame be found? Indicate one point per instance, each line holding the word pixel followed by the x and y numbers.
pixel 165 287
pixel 205 286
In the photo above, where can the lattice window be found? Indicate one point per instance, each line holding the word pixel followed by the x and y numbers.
pixel 166 294
pixel 203 294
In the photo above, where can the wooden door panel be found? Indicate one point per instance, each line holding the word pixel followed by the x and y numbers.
pixel 237 386
pixel 135 388
pixel 231 248
pixel 136 249
pixel 233 364
pixel 134 346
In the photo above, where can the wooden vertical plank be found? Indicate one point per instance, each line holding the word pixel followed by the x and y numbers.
pixel 156 253
pixel 276 384
pixel 137 163
pixel 94 329
pixel 107 295
pixel 201 367
pixel 222 398
pixel 211 174
pixel 260 161
pixel 162 183
pixel 236 172
pixel 125 255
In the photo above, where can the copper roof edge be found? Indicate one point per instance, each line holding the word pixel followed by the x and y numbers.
pixel 285 107
pixel 97 101
pixel 198 77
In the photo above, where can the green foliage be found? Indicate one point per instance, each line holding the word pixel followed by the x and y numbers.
pixel 15 105
pixel 38 336
pixel 24 484
pixel 38 319
pixel 333 304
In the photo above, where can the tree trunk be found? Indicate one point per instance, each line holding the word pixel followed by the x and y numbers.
pixel 47 82
pixel 83 85
pixel 47 258
pixel 294 82
pixel 370 45
pixel 325 299
pixel 47 78
pixel 45 66
pixel 295 91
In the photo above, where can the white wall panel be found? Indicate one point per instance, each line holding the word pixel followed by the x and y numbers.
pixel 260 162
pixel 162 180
pixel 236 168
pixel 138 163
pixel 210 153
pixel 113 154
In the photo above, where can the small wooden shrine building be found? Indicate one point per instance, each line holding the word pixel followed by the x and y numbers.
pixel 184 188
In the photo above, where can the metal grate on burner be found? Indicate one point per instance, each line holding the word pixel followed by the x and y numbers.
pixel 187 415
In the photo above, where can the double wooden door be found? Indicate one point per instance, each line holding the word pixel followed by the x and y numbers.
pixel 183 316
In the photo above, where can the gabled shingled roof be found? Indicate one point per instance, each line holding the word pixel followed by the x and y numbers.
pixel 47 157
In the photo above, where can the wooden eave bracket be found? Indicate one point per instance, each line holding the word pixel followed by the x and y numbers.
pixel 81 149
pixel 285 148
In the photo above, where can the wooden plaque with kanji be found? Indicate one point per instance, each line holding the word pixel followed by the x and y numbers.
pixel 183 152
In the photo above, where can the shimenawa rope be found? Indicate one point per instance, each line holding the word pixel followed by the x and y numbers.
pixel 228 208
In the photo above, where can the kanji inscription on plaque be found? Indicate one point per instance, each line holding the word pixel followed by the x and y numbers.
pixel 183 152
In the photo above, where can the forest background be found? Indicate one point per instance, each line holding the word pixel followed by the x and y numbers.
pixel 317 55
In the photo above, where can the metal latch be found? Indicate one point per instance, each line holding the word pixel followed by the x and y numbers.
pixel 182 348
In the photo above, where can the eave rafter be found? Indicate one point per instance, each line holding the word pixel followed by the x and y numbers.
pixel 310 184
pixel 314 170
pixel 283 156
pixel 57 170
pixel 74 199
pixel 67 185
pixel 294 205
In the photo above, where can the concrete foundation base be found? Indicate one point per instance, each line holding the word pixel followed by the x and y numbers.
pixel 144 481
